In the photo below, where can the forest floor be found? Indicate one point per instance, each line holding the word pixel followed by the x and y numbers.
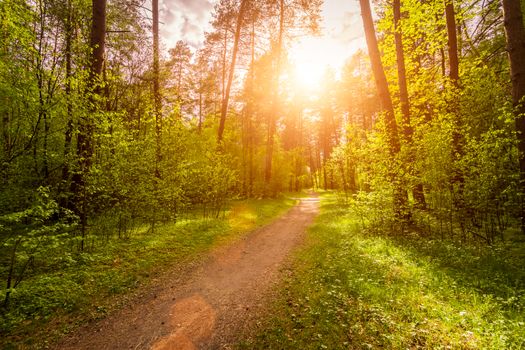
pixel 357 288
pixel 206 305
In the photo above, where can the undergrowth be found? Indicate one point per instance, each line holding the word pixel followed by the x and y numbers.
pixel 353 290
pixel 88 285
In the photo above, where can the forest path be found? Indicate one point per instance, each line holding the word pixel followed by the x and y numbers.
pixel 205 307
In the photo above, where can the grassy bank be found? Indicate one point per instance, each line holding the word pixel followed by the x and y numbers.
pixel 350 290
pixel 88 285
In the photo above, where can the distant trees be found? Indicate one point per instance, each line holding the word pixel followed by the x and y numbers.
pixel 179 67
pixel 243 34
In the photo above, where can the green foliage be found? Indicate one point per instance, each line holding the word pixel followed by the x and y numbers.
pixel 353 290
pixel 93 222
pixel 33 237
pixel 145 177
pixel 459 168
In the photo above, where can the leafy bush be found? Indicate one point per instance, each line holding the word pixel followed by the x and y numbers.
pixel 36 237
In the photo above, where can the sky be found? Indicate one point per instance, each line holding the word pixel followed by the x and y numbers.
pixel 185 20
pixel 342 32
pixel 342 35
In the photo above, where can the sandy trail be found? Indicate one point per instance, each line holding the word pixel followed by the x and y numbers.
pixel 211 303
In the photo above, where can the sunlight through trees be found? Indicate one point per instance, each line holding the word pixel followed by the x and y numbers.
pixel 104 129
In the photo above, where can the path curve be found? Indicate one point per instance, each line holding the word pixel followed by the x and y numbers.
pixel 212 303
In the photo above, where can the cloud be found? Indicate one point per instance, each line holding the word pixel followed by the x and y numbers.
pixel 185 20
pixel 343 23
pixel 350 30
pixel 195 6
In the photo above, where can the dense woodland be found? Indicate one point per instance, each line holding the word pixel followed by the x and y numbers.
pixel 104 129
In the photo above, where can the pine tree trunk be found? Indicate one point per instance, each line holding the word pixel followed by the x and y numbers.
pixel 515 33
pixel 226 99
pixel 457 135
pixel 453 59
pixel 86 124
pixel 400 194
pixel 380 77
pixel 156 89
pixel 401 74
pixel 417 191
pixel 251 132
pixel 272 118
pixel 69 106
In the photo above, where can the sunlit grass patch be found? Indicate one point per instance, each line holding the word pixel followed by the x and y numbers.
pixel 242 216
pixel 356 291
pixel 248 214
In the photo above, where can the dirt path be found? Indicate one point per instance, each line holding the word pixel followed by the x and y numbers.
pixel 213 302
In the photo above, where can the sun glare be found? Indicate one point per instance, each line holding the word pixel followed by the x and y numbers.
pixel 311 56
pixel 341 36
pixel 309 59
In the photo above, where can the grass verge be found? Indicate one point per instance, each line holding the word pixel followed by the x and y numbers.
pixel 350 290
pixel 89 285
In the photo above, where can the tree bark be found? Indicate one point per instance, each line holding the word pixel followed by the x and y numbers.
pixel 251 132
pixel 380 77
pixel 452 42
pixel 156 89
pixel 69 106
pixel 417 190
pixel 98 36
pixel 226 99
pixel 515 34
pixel 86 124
pixel 453 74
pixel 401 73
pixel 400 194
pixel 272 118
pixel 224 52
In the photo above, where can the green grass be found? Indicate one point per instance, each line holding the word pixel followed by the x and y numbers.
pixel 350 290
pixel 47 304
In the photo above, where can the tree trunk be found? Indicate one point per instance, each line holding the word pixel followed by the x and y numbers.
pixel 98 41
pixel 452 42
pixel 11 273
pixel 199 128
pixel 515 34
pixel 457 135
pixel 224 52
pixel 226 99
pixel 453 75
pixel 42 112
pixel 401 74
pixel 251 132
pixel 380 77
pixel 69 106
pixel 156 89
pixel 400 194
pixel 408 131
pixel 272 118
pixel 86 124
